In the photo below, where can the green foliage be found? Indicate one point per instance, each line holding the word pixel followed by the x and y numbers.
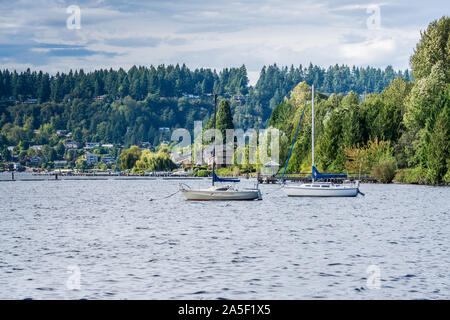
pixel 133 104
pixel 128 157
pixel 329 152
pixel 411 120
pixel 81 164
pixel 367 156
pixel 433 48
pixel 203 173
pixel 151 161
pixel 224 119
pixel 438 150
pixel 410 175
pixel 384 170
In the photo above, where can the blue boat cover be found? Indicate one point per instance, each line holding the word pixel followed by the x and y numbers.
pixel 217 179
pixel 317 175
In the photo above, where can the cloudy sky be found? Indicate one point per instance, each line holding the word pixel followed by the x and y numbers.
pixel 214 34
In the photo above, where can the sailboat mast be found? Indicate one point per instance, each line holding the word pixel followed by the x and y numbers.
pixel 312 129
pixel 214 149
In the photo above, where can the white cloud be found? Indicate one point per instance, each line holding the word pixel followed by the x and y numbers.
pixel 212 34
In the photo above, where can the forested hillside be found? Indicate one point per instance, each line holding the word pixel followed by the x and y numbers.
pixel 127 107
pixel 402 131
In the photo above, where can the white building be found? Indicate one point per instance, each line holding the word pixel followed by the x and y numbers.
pixel 71 145
pixel 36 147
pixel 92 145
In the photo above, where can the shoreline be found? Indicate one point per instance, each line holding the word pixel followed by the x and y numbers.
pixel 117 177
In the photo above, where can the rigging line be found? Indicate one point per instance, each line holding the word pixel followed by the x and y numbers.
pixel 170 195
pixel 292 146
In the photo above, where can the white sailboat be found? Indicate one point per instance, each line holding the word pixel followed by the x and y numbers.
pixel 220 193
pixel 320 189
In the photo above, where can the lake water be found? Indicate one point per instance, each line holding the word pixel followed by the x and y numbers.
pixel 120 245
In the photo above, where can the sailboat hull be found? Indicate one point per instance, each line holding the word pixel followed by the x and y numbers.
pixel 302 191
pixel 208 195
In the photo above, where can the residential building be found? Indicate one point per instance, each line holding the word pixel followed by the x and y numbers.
pixel 100 98
pixel 108 159
pixel 60 163
pixel 107 145
pixel 62 132
pixel 239 98
pixel 182 158
pixel 190 96
pixel 36 147
pixel 92 145
pixel 222 157
pixel 91 158
pixel 34 160
pixel 31 101
pixel 146 145
pixel 71 145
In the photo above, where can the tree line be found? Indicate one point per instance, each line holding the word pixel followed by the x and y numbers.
pixel 135 104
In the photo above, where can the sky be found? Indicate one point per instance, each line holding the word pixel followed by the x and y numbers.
pixel 46 35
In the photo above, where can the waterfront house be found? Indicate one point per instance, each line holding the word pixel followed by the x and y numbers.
pixel 91 158
pixel 108 159
pixel 182 158
pixel 60 163
pixel 34 160
pixel 222 157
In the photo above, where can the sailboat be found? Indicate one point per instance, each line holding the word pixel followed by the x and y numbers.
pixel 222 192
pixel 319 189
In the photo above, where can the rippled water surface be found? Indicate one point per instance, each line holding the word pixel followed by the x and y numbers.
pixel 280 248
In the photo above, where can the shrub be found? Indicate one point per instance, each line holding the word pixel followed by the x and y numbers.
pixel 384 170
pixel 236 171
pixel 446 178
pixel 401 175
pixel 417 175
pixel 203 173
pixel 414 176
